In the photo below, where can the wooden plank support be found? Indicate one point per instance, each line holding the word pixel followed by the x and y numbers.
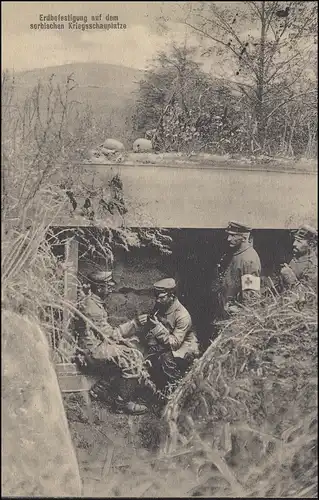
pixel 70 277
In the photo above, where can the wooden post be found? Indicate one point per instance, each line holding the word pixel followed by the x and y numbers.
pixel 70 277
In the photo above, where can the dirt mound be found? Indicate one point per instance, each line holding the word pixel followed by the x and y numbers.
pixel 38 458
pixel 247 411
pixel 206 160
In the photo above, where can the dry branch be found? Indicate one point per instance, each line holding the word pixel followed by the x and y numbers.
pixel 262 415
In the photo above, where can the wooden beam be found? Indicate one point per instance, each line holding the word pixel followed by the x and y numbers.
pixel 70 277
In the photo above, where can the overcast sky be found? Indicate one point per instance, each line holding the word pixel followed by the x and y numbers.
pixel 23 48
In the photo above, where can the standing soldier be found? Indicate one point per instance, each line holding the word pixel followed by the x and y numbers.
pixel 238 271
pixel 303 266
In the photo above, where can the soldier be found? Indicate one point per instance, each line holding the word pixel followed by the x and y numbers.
pixel 172 342
pixel 95 354
pixel 238 271
pixel 303 266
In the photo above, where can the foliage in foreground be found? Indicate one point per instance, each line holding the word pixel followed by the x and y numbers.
pixel 243 422
pixel 247 411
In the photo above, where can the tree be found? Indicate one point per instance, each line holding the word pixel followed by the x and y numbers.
pixel 269 43
pixel 167 81
pixel 187 108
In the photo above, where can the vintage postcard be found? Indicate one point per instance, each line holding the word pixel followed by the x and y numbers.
pixel 159 249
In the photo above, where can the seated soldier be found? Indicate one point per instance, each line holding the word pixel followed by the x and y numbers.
pixel 94 354
pixel 172 342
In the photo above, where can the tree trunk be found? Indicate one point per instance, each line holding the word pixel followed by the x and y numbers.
pixel 70 285
pixel 292 131
pixel 260 115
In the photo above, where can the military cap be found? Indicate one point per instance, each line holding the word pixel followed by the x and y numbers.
pixel 237 228
pixel 306 232
pixel 101 276
pixel 165 285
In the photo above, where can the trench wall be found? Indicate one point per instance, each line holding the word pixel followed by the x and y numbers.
pixel 38 457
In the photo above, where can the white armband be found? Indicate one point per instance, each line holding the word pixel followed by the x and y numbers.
pixel 250 282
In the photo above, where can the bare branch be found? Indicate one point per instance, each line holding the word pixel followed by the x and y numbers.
pixel 229 47
pixel 227 29
pixel 281 66
pixel 254 7
pixel 288 100
pixel 271 14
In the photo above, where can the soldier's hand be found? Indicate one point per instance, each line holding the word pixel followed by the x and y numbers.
pixel 80 360
pixel 79 350
pixel 288 275
pixel 231 309
pixel 142 319
pixel 154 320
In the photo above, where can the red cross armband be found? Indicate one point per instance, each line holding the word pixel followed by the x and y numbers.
pixel 250 282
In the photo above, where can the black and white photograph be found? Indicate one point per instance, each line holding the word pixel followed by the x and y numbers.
pixel 159 258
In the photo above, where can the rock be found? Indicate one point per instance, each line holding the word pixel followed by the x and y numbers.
pixel 108 152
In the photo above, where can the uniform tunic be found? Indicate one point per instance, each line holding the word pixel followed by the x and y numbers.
pixel 179 338
pixel 93 308
pixel 244 261
pixel 180 334
pixel 304 266
pixel 305 269
pixel 99 353
pixel 171 340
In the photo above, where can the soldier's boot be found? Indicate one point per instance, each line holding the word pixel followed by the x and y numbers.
pixel 126 393
pixel 100 391
pixel 129 407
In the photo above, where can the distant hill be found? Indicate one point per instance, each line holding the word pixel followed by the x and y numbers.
pixel 107 88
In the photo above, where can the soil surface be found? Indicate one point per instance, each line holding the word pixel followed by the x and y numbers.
pixel 118 453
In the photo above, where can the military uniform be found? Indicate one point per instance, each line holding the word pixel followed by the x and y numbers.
pixel 93 308
pixel 302 268
pixel 237 272
pixel 172 343
pixel 177 329
pixel 99 355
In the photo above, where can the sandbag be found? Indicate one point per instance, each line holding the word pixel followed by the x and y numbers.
pixel 113 144
pixel 142 145
pixel 93 154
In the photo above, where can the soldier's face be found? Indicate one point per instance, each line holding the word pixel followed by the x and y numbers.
pixel 163 301
pixel 105 289
pixel 235 240
pixel 300 247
